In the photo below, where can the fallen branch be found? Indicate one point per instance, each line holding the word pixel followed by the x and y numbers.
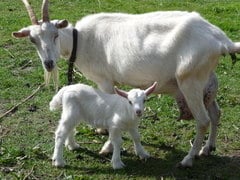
pixel 31 171
pixel 10 54
pixel 21 102
pixel 60 175
pixel 26 65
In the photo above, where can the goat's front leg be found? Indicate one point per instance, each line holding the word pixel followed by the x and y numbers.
pixel 116 141
pixel 139 149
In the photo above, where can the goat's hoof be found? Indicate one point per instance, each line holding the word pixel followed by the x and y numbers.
pixel 187 162
pixel 101 131
pixel 73 147
pixel 144 156
pixel 206 150
pixel 182 166
pixel 119 165
pixel 106 149
pixel 58 163
pixel 145 159
pixel 104 153
pixel 196 157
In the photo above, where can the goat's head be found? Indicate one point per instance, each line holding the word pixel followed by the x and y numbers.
pixel 44 35
pixel 137 97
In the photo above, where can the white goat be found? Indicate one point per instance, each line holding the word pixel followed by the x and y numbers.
pixel 177 49
pixel 113 112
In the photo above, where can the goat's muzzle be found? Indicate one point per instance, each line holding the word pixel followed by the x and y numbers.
pixel 49 65
pixel 139 113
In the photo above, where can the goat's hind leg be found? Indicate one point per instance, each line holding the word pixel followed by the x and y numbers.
pixel 192 90
pixel 70 142
pixel 61 135
pixel 214 113
pixel 107 148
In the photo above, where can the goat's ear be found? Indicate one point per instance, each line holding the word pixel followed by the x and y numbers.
pixel 150 89
pixel 121 92
pixel 22 33
pixel 61 24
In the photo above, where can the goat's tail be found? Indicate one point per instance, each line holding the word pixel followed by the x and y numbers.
pixel 56 101
pixel 235 49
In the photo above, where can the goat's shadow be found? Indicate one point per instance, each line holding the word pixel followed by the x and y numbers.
pixel 212 167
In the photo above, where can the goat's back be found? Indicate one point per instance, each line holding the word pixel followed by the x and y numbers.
pixel 140 49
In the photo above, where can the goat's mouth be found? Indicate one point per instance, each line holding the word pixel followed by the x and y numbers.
pixel 49 69
pixel 138 114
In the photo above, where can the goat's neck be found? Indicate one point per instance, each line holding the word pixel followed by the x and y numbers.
pixel 66 42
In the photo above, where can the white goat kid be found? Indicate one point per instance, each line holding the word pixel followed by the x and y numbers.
pixel 177 49
pixel 113 112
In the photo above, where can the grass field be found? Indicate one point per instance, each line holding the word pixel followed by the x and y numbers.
pixel 26 134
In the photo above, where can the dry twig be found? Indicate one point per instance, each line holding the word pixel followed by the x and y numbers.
pixel 27 176
pixel 21 102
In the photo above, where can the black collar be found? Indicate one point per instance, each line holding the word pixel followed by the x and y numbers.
pixel 72 58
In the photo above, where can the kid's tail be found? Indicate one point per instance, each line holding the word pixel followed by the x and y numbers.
pixel 56 101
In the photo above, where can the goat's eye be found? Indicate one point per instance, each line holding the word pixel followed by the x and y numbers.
pixel 130 102
pixel 55 37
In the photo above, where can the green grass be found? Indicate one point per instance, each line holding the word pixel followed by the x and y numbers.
pixel 26 135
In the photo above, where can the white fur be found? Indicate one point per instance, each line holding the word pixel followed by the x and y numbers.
pixel 177 49
pixel 113 112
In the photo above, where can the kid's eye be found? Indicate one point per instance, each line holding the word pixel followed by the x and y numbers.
pixel 130 102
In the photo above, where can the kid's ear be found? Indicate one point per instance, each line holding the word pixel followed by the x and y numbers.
pixel 21 33
pixel 121 92
pixel 149 90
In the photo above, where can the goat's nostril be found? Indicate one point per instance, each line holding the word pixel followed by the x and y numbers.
pixel 49 65
pixel 138 112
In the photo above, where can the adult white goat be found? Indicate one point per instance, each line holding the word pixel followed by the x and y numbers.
pixel 177 49
pixel 84 103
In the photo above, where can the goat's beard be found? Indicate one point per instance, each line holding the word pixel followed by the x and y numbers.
pixel 54 75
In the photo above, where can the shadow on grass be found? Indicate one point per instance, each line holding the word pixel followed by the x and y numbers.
pixel 212 167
